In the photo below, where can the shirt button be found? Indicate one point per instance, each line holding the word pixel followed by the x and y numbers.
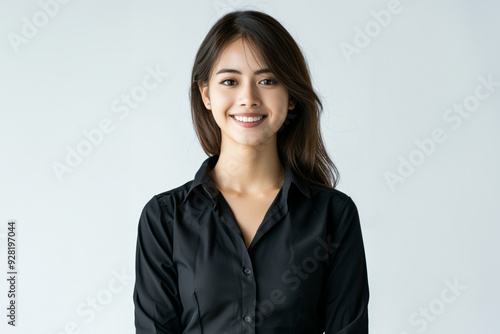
pixel 247 271
pixel 247 318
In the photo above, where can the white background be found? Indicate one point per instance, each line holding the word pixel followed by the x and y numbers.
pixel 76 233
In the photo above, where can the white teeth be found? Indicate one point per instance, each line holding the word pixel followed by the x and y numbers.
pixel 248 119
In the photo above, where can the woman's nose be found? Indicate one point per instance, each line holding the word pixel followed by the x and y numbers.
pixel 249 96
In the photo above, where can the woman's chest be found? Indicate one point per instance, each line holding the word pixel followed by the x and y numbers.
pixel 249 211
pixel 283 270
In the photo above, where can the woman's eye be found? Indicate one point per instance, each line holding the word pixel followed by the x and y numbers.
pixel 269 82
pixel 228 82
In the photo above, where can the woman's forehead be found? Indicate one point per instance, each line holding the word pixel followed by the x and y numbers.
pixel 240 55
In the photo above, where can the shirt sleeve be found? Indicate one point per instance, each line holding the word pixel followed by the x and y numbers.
pixel 156 298
pixel 347 281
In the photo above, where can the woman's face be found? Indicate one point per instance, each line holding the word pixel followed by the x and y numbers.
pixel 240 87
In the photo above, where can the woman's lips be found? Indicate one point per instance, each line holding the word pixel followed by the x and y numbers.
pixel 248 124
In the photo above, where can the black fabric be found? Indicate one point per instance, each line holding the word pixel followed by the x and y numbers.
pixel 303 273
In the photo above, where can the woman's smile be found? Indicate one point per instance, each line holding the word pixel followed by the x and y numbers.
pixel 248 120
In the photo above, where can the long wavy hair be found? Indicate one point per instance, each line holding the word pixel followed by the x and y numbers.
pixel 299 140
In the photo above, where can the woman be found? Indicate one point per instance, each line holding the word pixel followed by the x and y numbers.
pixel 260 241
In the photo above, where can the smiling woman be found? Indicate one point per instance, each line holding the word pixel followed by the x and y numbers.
pixel 260 241
pixel 243 94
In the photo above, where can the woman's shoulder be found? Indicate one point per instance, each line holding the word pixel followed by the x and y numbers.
pixel 173 195
pixel 332 199
pixel 168 198
pixel 330 193
pixel 177 192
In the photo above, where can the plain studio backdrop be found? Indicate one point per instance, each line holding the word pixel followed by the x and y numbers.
pixel 95 120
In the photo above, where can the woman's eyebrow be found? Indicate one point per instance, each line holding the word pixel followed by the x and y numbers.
pixel 230 70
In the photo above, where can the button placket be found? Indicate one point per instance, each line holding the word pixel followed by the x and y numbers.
pixel 249 293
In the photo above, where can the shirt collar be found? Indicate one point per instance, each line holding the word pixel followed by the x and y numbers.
pixel 204 179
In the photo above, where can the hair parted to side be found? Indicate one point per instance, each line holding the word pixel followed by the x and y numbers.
pixel 299 140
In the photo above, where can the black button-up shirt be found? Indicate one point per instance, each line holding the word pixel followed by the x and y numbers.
pixel 303 273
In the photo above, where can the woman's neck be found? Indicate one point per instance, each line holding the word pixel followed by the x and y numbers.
pixel 248 170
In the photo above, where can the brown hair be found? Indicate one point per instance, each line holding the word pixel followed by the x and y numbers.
pixel 299 139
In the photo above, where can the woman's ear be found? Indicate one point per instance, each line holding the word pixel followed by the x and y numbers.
pixel 204 95
pixel 291 104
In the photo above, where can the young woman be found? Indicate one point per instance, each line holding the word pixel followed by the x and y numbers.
pixel 260 241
